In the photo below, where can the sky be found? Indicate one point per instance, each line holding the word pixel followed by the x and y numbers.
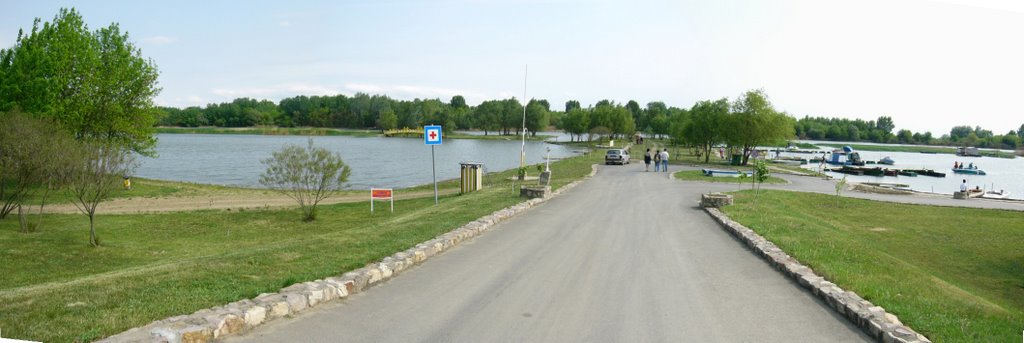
pixel 928 64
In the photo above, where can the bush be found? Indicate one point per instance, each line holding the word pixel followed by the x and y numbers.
pixel 307 175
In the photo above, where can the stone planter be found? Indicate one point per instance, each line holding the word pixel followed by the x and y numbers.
pixel 715 200
pixel 535 191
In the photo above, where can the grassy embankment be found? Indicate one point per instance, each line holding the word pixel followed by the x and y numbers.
pixel 953 274
pixel 919 148
pixel 151 266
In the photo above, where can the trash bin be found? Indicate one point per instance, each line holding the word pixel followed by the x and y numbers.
pixel 737 159
pixel 472 176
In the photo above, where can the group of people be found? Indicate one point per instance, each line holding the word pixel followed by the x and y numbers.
pixel 960 165
pixel 660 159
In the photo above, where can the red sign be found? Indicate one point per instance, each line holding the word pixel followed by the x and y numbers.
pixel 380 193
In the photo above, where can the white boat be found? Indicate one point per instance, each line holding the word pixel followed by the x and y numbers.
pixel 723 173
pixel 1001 194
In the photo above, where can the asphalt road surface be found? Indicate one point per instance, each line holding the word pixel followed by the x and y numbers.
pixel 625 257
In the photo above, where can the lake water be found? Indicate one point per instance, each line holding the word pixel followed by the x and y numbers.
pixel 235 160
pixel 1001 173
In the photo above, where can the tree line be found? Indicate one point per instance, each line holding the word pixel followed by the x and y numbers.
pixel 881 131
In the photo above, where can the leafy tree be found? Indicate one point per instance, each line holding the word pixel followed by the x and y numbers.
pixel 885 125
pixel 458 101
pixel 755 122
pixel 705 128
pixel 761 174
pixel 33 155
pixel 576 122
pixel 307 175
pixel 537 116
pixel 387 121
pixel 94 84
pixel 905 136
pixel 1020 131
pixel 95 173
pixel 960 132
pixel 573 104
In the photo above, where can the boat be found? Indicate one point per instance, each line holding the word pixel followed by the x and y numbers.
pixel 723 173
pixel 907 173
pixel 890 172
pixel 972 171
pixel 1001 194
pixel 975 192
pixel 886 160
pixel 862 171
pixel 927 172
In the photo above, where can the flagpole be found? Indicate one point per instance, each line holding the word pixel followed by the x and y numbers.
pixel 522 151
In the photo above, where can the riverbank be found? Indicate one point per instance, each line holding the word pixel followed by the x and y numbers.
pixel 153 266
pixel 950 273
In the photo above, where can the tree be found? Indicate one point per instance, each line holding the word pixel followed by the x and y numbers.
pixel 458 101
pixel 537 116
pixel 307 175
pixel 754 122
pixel 704 128
pixel 885 125
pixel 576 122
pixel 1020 132
pixel 960 132
pixel 905 136
pixel 33 156
pixel 387 121
pixel 95 85
pixel 95 172
pixel 573 104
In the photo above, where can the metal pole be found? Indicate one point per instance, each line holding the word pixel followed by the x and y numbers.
pixel 433 168
pixel 522 152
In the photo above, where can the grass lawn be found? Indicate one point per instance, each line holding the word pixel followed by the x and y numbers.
pixel 953 274
pixel 697 175
pixel 152 266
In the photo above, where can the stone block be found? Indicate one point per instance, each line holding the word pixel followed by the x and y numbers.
pixel 227 325
pixel 533 192
pixel 255 315
pixel 297 302
pixel 715 200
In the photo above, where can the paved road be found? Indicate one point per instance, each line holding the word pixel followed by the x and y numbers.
pixel 625 257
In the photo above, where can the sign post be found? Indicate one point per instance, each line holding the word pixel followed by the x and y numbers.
pixel 382 194
pixel 432 137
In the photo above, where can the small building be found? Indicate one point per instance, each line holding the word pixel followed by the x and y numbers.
pixel 967 151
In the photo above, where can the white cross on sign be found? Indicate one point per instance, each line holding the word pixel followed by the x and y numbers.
pixel 432 134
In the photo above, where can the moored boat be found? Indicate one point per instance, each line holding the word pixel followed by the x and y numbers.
pixel 907 173
pixel 927 172
pixel 887 160
pixel 972 171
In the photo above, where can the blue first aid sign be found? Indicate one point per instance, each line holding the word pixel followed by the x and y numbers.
pixel 432 134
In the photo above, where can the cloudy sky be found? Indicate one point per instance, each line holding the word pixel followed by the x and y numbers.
pixel 928 64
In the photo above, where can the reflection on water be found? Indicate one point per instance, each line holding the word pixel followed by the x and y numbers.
pixel 376 162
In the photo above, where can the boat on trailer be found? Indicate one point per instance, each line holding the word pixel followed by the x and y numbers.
pixel 1001 194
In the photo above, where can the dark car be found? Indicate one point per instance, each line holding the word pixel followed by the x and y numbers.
pixel 616 156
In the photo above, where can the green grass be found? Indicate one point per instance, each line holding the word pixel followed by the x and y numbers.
pixel 920 148
pixel 953 274
pixel 152 266
pixel 697 175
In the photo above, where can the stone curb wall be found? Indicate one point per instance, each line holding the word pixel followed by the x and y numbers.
pixel 215 323
pixel 873 320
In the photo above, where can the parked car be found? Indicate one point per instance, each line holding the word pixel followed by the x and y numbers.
pixel 617 156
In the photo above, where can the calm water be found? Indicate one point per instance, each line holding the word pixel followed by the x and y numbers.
pixel 376 162
pixel 1001 173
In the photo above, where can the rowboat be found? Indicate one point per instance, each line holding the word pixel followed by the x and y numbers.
pixel 723 173
pixel 971 171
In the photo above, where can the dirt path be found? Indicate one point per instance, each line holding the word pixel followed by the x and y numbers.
pixel 228 201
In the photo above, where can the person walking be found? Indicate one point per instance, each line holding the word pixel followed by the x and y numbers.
pixel 647 160
pixel 657 159
pixel 664 160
